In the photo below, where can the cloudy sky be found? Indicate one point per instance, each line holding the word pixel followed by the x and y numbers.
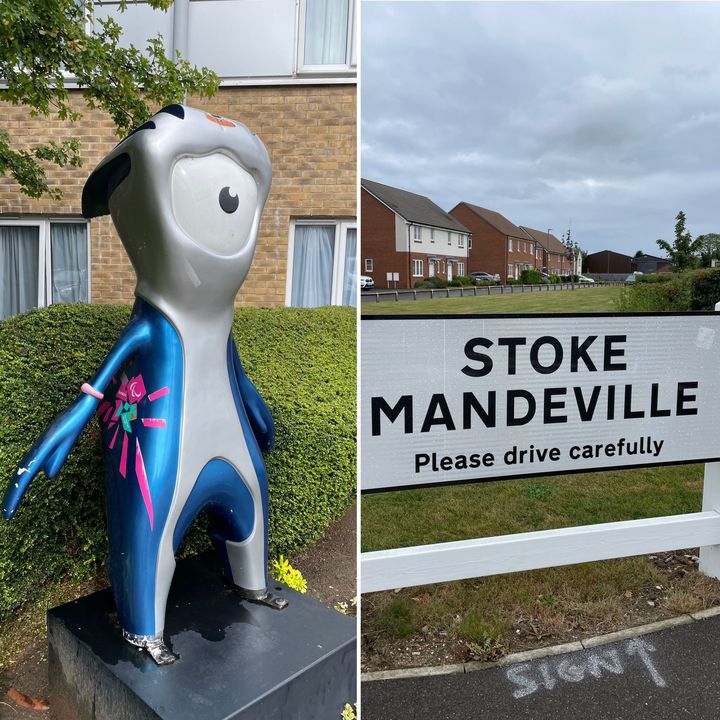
pixel 606 114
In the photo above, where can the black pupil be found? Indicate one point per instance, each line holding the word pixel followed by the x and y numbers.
pixel 229 203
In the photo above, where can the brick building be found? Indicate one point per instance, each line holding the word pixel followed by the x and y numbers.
pixel 409 237
pixel 498 245
pixel 291 78
pixel 552 255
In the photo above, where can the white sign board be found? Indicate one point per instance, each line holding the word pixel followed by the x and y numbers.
pixel 466 398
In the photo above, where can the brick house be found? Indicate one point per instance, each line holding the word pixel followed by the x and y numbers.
pixel 407 237
pixel 289 74
pixel 552 255
pixel 498 245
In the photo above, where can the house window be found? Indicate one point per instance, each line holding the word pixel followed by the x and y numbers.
pixel 368 264
pixel 326 41
pixel 432 234
pixel 469 243
pixel 461 268
pixel 510 245
pixel 417 268
pixel 461 241
pixel 449 238
pixel 42 262
pixel 322 263
pixel 509 271
pixel 417 233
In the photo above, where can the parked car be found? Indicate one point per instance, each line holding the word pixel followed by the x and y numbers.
pixel 630 279
pixel 483 277
pixel 366 282
pixel 585 279
pixel 545 279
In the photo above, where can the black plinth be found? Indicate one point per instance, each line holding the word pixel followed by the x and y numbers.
pixel 236 660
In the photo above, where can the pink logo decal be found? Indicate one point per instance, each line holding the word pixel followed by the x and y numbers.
pixel 131 402
pixel 136 389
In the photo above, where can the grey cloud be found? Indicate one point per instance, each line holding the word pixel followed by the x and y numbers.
pixel 606 113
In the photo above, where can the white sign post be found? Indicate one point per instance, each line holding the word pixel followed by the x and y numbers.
pixel 474 398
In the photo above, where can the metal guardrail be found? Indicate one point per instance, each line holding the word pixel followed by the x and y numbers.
pixel 473 291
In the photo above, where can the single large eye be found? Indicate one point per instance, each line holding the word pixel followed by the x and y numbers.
pixel 214 200
pixel 229 203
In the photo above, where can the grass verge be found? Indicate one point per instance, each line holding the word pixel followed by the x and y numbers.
pixel 484 618
pixel 601 299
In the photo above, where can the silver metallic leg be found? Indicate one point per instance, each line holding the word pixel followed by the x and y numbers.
pixel 155 646
pixel 264 597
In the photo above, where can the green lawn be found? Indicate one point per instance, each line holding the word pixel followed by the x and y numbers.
pixel 591 299
pixel 484 618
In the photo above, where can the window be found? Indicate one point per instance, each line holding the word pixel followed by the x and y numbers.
pixel 42 262
pixel 461 268
pixel 322 263
pixel 469 243
pixel 509 271
pixel 449 238
pixel 326 41
pixel 417 266
pixel 368 264
pixel 461 241
pixel 510 245
pixel 417 233
pixel 432 234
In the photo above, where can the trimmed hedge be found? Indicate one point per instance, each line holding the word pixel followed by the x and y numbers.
pixel 693 290
pixel 530 277
pixel 302 362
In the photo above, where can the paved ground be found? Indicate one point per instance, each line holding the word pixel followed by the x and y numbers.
pixel 672 674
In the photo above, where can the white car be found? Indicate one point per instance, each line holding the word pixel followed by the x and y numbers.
pixel 366 282
pixel 585 279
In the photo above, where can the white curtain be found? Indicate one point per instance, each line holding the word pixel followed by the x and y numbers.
pixel 19 257
pixel 325 32
pixel 312 265
pixel 69 262
pixel 350 271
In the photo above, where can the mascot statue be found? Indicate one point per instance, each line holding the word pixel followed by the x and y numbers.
pixel 182 425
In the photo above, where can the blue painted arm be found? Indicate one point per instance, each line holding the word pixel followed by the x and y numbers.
pixel 257 411
pixel 52 448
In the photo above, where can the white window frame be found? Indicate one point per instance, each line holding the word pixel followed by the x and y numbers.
pixel 461 241
pixel 418 264
pixel 432 235
pixel 460 268
pixel 469 243
pixel 342 225
pixel 510 244
pixel 417 233
pixel 369 265
pixel 449 238
pixel 349 67
pixel 43 224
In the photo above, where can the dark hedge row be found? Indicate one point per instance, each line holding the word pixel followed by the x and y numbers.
pixel 303 364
